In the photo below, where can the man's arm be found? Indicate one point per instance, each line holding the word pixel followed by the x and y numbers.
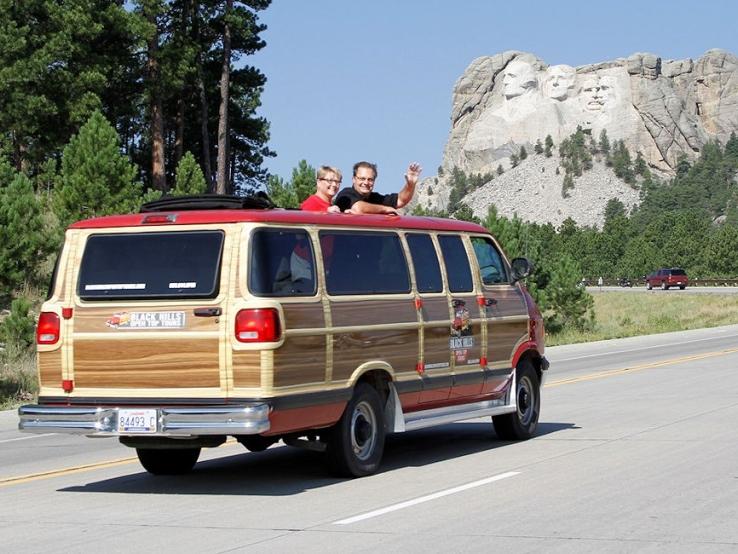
pixel 362 207
pixel 411 179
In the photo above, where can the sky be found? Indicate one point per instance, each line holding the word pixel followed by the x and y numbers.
pixel 351 80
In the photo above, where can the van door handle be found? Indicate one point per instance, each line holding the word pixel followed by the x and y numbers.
pixel 207 312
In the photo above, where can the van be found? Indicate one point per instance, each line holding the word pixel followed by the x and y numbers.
pixel 667 277
pixel 204 318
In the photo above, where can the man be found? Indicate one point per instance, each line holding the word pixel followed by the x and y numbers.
pixel 327 181
pixel 361 198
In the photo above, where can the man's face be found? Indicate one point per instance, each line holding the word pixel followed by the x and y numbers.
pixel 519 78
pixel 364 180
pixel 328 185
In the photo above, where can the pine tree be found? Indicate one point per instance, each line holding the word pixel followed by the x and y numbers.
pixel 523 153
pixel 60 62
pixel 17 329
pixel 291 194
pixel 731 150
pixel 24 242
pixel 538 148
pixel 465 213
pixel 500 169
pixel 189 177
pixel 640 166
pixel 96 178
pixel 604 144
pixel 567 185
pixel 514 160
pixel 281 192
pixel 566 304
pixel 303 180
pixel 549 143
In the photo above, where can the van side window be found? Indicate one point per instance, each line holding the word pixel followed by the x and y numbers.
pixel 490 262
pixel 425 263
pixel 364 263
pixel 281 263
pixel 457 264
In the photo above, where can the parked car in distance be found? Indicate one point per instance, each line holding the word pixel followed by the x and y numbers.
pixel 625 282
pixel 667 277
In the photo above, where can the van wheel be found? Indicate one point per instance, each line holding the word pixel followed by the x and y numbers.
pixel 356 442
pixel 648 285
pixel 664 286
pixel 521 424
pixel 168 461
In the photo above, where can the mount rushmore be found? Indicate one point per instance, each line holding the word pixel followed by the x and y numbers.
pixel 664 110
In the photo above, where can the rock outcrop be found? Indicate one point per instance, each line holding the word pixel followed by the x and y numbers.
pixel 661 109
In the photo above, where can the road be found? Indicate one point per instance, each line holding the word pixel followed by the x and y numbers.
pixel 688 290
pixel 637 450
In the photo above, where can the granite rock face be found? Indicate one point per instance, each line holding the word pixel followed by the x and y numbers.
pixel 661 109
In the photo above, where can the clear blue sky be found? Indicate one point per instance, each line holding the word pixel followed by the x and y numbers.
pixel 351 80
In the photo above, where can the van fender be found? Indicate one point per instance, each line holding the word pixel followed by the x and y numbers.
pixel 522 349
pixel 394 419
pixel 370 366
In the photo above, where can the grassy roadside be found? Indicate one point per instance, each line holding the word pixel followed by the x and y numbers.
pixel 625 314
pixel 18 382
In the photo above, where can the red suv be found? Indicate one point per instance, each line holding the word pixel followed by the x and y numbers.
pixel 667 277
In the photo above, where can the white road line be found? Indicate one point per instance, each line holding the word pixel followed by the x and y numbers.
pixel 427 498
pixel 28 437
pixel 610 353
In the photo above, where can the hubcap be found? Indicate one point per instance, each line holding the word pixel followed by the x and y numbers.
pixel 526 401
pixel 363 430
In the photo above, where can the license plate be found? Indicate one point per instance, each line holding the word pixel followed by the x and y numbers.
pixel 137 421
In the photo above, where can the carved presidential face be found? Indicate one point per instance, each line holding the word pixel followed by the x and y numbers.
pixel 519 78
pixel 597 93
pixel 559 81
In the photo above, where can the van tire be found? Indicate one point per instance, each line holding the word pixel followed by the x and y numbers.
pixel 356 442
pixel 168 461
pixel 521 424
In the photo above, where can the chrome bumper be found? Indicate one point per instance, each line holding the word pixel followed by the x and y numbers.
pixel 243 419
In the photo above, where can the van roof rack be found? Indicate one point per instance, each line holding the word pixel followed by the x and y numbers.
pixel 259 201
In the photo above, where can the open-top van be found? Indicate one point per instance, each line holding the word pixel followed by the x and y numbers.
pixel 178 327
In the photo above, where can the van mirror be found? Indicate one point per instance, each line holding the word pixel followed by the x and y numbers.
pixel 521 268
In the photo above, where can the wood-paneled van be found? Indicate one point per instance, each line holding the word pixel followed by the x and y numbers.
pixel 175 328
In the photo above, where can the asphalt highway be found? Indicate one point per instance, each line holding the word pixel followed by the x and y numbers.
pixel 636 450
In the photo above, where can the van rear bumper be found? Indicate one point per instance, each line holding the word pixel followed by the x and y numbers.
pixel 102 421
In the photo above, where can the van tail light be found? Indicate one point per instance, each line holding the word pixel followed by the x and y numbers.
pixel 532 324
pixel 48 328
pixel 258 325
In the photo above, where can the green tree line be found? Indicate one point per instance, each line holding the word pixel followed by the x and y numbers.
pixel 164 73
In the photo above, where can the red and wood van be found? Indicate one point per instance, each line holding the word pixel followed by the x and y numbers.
pixel 176 328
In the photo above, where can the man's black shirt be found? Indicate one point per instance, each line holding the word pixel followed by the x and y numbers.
pixel 349 196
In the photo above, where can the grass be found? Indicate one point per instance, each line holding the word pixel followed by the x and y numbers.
pixel 625 314
pixel 18 382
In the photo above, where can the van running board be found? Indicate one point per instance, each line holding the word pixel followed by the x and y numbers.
pixel 397 422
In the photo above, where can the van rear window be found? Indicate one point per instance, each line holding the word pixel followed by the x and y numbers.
pixel 151 265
